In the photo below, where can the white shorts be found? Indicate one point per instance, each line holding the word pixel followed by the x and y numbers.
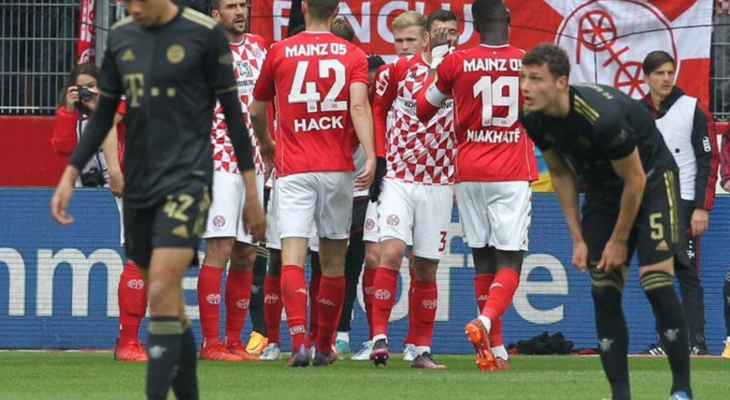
pixel 226 210
pixel 273 239
pixel 497 214
pixel 370 232
pixel 315 199
pixel 416 213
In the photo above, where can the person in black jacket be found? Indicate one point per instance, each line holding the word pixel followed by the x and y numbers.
pixel 684 128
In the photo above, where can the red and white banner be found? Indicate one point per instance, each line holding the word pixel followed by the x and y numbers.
pixel 605 39
pixel 87 30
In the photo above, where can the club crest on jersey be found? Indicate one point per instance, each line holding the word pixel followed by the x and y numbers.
pixel 175 54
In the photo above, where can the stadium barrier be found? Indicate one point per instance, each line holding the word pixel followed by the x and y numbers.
pixel 58 284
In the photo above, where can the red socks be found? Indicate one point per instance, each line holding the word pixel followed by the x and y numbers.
pixel 424 302
pixel 482 282
pixel 238 297
pixel 209 300
pixel 384 297
pixel 272 308
pixel 367 294
pixel 132 297
pixel 313 312
pixel 294 295
pixel 500 293
pixel 329 304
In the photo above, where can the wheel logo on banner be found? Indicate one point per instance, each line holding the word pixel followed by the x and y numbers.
pixel 607 42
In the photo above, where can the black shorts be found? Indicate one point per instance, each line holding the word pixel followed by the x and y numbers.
pixel 658 232
pixel 178 221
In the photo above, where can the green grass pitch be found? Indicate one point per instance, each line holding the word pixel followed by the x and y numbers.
pixel 91 376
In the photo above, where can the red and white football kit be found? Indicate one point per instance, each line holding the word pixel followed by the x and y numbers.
pixel 495 165
pixel 229 193
pixel 309 76
pixel 416 200
pixel 496 160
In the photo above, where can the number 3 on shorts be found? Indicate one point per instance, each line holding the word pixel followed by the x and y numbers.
pixel 657 229
pixel 442 246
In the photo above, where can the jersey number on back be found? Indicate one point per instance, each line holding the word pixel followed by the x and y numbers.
pixel 306 92
pixel 492 94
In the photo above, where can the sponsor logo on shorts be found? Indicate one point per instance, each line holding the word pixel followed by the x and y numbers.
pixel 219 221
pixel 662 246
pixel 383 294
pixel 271 299
pixel 326 302
pixel 370 224
pixel 393 220
pixel 671 334
pixel 297 330
pixel 136 284
pixel 213 299
pixel 429 304
pixel 157 351
pixel 243 304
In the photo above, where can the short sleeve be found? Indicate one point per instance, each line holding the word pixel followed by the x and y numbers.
pixel 219 63
pixel 359 71
pixel 445 74
pixel 110 81
pixel 615 138
pixel 265 90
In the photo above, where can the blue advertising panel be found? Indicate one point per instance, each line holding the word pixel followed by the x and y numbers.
pixel 58 284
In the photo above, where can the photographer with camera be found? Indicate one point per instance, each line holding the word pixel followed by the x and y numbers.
pixel 79 101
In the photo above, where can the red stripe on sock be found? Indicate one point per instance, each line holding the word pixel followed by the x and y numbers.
pixel 238 298
pixel 294 296
pixel 209 299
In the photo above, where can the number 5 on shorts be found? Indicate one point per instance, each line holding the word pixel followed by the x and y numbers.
pixel 657 229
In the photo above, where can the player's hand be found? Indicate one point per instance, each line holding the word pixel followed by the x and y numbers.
pixel 726 186
pixel 254 219
pixel 580 255
pixel 440 37
pixel 365 179
pixel 615 255
pixel 377 185
pixel 116 182
pixel 700 221
pixel 62 196
pixel 72 96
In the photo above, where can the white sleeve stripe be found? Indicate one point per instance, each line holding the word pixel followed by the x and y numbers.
pixel 434 96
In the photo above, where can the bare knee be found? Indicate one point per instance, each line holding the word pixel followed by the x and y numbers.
pixel 243 256
pixel 219 252
pixel 372 255
pixel 424 269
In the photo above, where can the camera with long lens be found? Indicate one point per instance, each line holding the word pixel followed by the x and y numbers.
pixel 85 94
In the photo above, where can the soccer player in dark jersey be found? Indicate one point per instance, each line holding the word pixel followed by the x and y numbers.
pixel 600 137
pixel 171 63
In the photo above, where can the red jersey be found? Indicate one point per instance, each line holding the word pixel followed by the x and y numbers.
pixel 484 83
pixel 310 74
pixel 414 151
pixel 248 57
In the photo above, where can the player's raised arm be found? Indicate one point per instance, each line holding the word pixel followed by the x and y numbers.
pixel 430 100
pixel 96 131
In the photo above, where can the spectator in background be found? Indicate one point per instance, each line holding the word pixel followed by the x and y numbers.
pixel 685 131
pixel 79 101
pixel 725 182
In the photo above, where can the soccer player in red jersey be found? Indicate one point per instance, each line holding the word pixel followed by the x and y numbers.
pixel 495 165
pixel 224 234
pixel 320 83
pixel 416 200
